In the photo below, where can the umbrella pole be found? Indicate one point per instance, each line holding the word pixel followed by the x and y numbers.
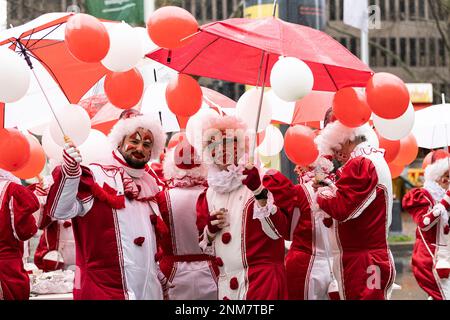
pixel 30 65
pixel 261 99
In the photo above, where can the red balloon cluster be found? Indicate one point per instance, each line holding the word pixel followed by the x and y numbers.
pixel 14 150
pixel 184 96
pixel 299 145
pixel 170 27
pixel 36 162
pixel 350 107
pixel 406 155
pixel 86 38
pixel 387 95
pixel 392 148
pixel 124 89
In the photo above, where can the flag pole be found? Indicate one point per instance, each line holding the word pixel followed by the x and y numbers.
pixel 365 46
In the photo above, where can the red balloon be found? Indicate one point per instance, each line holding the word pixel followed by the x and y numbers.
pixel 184 95
pixel 14 150
pixel 408 151
pixel 433 156
pixel 299 145
pixel 387 95
pixel 176 138
pixel 350 107
pixel 170 27
pixel 124 89
pixel 392 148
pixel 396 170
pixel 86 38
pixel 35 164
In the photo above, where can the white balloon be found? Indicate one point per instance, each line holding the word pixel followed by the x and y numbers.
pixel 147 44
pixel 396 129
pixel 96 148
pixel 14 76
pixel 75 122
pixel 247 110
pixel 195 124
pixel 273 142
pixel 52 150
pixel 291 79
pixel 125 49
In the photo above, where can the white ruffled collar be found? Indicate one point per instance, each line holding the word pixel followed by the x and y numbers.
pixel 435 190
pixel 225 181
pixel 120 162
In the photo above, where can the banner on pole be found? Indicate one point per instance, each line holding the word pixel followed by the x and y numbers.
pixel 130 11
pixel 356 14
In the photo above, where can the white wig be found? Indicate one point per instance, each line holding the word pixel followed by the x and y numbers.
pixel 335 134
pixel 171 171
pixel 128 126
pixel 435 171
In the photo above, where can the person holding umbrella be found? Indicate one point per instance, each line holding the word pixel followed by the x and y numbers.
pixel 428 207
pixel 241 223
pixel 113 213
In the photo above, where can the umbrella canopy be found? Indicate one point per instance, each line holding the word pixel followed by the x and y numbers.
pixel 231 50
pixel 432 127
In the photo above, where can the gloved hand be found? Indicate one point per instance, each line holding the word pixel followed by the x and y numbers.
pixel 71 160
pixel 41 189
pixel 166 285
pixel 217 221
pixel 439 210
pixel 252 180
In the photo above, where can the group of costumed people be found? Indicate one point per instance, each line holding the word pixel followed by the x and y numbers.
pixel 214 226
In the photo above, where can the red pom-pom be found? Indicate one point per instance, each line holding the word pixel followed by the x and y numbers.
pixel 328 222
pixel 226 298
pixel 226 237
pixel 139 241
pixel 67 224
pixel 219 261
pixel 234 284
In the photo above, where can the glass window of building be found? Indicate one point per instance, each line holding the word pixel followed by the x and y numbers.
pixel 403 49
pixel 393 48
pixel 413 52
pixel 402 10
pixel 422 52
pixel 432 51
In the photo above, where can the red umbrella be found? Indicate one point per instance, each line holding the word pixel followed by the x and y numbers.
pixel 232 50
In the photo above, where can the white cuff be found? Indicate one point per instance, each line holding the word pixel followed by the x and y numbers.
pixel 261 213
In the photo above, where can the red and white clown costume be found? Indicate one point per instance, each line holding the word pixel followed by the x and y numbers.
pixel 361 205
pixel 250 249
pixel 17 224
pixel 309 259
pixel 192 273
pixel 111 208
pixel 429 207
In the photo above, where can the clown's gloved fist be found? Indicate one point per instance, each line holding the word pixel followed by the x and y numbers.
pixel 72 159
pixel 253 180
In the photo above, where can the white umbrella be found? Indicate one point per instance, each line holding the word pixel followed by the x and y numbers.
pixel 432 127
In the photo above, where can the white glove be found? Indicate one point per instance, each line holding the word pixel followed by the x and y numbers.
pixel 72 159
pixel 439 210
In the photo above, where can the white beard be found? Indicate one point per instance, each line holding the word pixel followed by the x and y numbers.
pixel 435 190
pixel 225 181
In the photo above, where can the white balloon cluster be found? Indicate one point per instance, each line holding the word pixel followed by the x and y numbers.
pixel 126 48
pixel 247 110
pixel 14 76
pixel 396 129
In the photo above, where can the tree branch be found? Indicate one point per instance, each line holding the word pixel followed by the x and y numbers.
pixel 432 4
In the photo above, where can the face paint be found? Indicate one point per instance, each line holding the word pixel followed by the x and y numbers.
pixel 137 150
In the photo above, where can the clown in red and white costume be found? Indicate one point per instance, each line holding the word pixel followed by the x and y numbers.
pixel 110 205
pixel 17 224
pixel 191 272
pixel 429 207
pixel 243 226
pixel 361 205
pixel 309 260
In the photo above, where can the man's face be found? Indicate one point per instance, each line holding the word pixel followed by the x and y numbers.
pixel 343 154
pixel 136 148
pixel 444 181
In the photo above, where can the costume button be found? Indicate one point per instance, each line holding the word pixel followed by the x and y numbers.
pixel 139 241
pixel 234 284
pixel 67 224
pixel 226 237
pixel 328 222
pixel 219 261
pixel 225 298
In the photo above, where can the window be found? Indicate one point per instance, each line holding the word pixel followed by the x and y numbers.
pixel 383 10
pixel 412 10
pixel 392 10
pixel 432 52
pixel 343 41
pixel 413 52
pixel 422 4
pixel 442 53
pixel 393 48
pixel 353 45
pixel 341 10
pixel 333 10
pixel 373 54
pixel 402 10
pixel 422 52
pixel 383 56
pixel 403 49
